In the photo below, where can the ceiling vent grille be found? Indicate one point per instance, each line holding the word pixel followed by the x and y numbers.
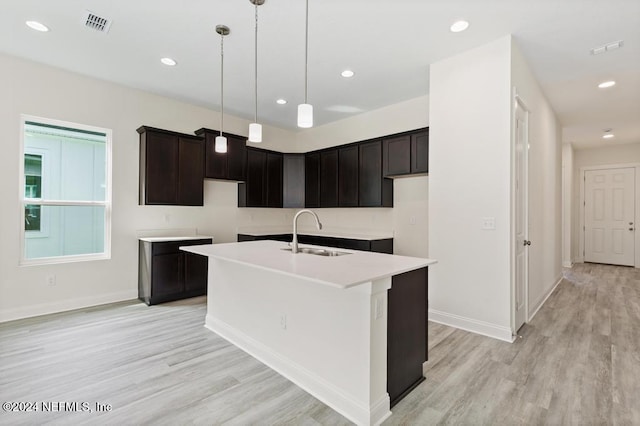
pixel 95 22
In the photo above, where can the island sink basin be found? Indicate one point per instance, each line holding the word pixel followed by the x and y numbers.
pixel 318 252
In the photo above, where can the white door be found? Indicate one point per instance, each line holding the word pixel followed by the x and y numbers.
pixel 521 220
pixel 609 211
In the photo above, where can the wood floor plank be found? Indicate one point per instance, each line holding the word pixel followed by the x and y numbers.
pixel 577 362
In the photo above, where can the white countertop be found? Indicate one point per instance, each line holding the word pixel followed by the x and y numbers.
pixel 168 239
pixel 328 233
pixel 340 271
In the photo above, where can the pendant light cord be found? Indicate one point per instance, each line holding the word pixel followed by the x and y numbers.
pixel 221 83
pixel 256 66
pixel 306 54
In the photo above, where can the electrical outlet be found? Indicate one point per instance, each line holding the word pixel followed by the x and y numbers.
pixel 412 220
pixel 283 322
pixel 51 280
pixel 167 218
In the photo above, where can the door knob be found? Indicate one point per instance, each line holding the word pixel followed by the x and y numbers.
pixel 527 243
pixel 630 229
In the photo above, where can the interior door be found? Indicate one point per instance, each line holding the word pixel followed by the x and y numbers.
pixel 609 211
pixel 521 242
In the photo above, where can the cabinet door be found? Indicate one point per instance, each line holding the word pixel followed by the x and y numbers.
pixel 420 152
pixel 195 273
pixel 161 168
pixel 348 176
pixel 370 170
pixel 215 162
pixel 274 179
pixel 255 184
pixel 167 274
pixel 191 172
pixel 329 178
pixel 312 180
pixel 397 156
pixel 406 332
pixel 294 182
pixel 236 158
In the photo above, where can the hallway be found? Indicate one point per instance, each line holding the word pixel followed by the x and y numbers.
pixel 578 361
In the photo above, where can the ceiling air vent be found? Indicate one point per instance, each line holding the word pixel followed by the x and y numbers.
pixel 95 22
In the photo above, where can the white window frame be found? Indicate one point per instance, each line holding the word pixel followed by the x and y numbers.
pixel 106 254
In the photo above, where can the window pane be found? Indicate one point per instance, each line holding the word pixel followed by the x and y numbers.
pixel 32 218
pixel 72 162
pixel 66 231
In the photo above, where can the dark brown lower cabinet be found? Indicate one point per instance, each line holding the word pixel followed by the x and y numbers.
pixel 406 333
pixel 166 273
pixel 383 245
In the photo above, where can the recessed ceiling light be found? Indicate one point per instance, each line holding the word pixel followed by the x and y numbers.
pixel 607 136
pixel 281 101
pixel 35 25
pixel 169 62
pixel 459 26
pixel 347 73
pixel 606 84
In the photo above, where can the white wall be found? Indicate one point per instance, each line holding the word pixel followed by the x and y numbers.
pixel 607 155
pixel 39 90
pixel 545 184
pixel 470 178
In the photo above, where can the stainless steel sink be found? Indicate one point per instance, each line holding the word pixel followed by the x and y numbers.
pixel 318 252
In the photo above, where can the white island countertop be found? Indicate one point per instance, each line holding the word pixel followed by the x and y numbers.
pixel 179 238
pixel 345 271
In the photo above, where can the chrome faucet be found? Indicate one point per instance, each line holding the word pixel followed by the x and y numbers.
pixel 294 242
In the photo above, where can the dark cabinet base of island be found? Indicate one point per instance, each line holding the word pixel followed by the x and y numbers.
pixel 165 273
pixel 406 333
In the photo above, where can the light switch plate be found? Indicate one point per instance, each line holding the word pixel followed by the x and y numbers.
pixel 488 223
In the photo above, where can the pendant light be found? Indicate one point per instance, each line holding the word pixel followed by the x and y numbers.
pixel 255 129
pixel 221 141
pixel 305 110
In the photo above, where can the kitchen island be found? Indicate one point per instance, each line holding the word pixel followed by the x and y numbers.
pixel 318 319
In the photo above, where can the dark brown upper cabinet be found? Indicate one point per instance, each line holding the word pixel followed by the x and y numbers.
pixel 329 178
pixel 263 185
pixel 274 179
pixel 420 152
pixel 406 154
pixel 312 180
pixel 231 165
pixel 171 168
pixel 348 176
pixel 374 190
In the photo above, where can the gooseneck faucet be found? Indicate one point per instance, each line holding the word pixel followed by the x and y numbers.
pixel 294 242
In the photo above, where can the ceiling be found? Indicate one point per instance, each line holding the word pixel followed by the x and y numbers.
pixel 389 44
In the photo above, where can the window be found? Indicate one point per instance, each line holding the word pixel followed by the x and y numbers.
pixel 66 192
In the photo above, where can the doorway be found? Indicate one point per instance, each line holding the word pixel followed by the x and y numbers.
pixel 609 215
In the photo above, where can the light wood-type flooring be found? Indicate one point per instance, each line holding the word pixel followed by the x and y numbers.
pixel 577 362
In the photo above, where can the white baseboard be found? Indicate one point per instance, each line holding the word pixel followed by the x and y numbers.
pixel 544 298
pixel 65 305
pixel 567 264
pixel 326 392
pixel 472 325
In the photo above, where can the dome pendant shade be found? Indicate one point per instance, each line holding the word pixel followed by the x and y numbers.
pixel 221 144
pixel 255 132
pixel 305 116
